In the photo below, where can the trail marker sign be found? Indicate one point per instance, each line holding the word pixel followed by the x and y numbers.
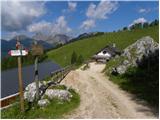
pixel 37 50
pixel 18 52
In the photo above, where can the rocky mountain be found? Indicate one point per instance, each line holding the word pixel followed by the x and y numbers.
pixel 86 35
pixel 52 39
pixel 58 39
pixel 63 39
pixel 40 36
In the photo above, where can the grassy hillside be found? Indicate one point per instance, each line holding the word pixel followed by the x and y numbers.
pixel 87 47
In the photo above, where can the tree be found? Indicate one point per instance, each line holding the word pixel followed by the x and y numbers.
pixel 132 27
pixel 155 22
pixel 80 60
pixel 145 25
pixel 125 28
pixel 73 58
pixel 138 25
pixel 11 62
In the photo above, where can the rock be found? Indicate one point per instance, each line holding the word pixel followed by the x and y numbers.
pixel 121 69
pixel 43 102
pixel 135 53
pixel 30 92
pixel 45 83
pixel 117 56
pixel 60 94
pixel 141 46
pixel 127 54
pixel 125 62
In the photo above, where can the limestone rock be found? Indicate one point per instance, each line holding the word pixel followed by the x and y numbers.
pixel 134 53
pixel 125 62
pixel 121 69
pixel 43 102
pixel 30 92
pixel 60 94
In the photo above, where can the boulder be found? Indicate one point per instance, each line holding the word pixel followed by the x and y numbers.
pixel 121 69
pixel 60 94
pixel 134 53
pixel 30 92
pixel 43 102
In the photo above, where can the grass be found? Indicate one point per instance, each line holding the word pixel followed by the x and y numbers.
pixel 89 46
pixel 112 64
pixel 143 81
pixel 140 83
pixel 54 110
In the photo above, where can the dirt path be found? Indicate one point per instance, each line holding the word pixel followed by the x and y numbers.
pixel 100 98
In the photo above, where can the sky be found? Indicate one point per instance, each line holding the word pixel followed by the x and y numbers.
pixel 72 17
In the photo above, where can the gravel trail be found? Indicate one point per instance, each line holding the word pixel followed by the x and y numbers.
pixel 100 98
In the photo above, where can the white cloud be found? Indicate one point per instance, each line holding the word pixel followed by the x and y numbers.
pixel 143 10
pixel 39 27
pixel 72 6
pixel 88 24
pixel 59 27
pixel 139 20
pixel 17 15
pixel 102 10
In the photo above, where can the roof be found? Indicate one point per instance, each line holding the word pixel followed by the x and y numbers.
pixel 9 78
pixel 110 49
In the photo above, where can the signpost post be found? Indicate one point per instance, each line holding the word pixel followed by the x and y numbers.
pixel 20 83
pixel 37 50
pixel 19 47
pixel 19 53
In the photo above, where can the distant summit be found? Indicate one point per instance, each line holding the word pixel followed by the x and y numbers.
pixel 40 36
pixel 86 35
pixel 58 39
pixel 52 39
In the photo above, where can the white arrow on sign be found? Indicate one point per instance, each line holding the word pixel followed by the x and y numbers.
pixel 18 52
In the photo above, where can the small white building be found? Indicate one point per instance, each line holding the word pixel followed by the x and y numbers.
pixel 106 53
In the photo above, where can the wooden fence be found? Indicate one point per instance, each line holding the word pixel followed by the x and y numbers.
pixel 56 78
pixel 59 75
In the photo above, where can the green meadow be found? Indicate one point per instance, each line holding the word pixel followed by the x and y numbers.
pixel 89 46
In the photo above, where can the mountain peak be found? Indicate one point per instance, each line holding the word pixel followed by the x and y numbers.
pixel 21 37
pixel 40 36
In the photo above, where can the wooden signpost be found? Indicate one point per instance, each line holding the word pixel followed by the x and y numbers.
pixel 19 53
pixel 36 51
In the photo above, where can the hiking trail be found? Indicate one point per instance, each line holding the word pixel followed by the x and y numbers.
pixel 100 98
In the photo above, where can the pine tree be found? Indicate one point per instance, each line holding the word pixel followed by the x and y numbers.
pixel 125 28
pixel 80 60
pixel 145 25
pixel 73 58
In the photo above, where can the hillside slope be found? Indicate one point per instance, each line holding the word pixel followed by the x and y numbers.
pixel 87 47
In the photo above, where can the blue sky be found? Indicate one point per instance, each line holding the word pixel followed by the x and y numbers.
pixel 73 18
